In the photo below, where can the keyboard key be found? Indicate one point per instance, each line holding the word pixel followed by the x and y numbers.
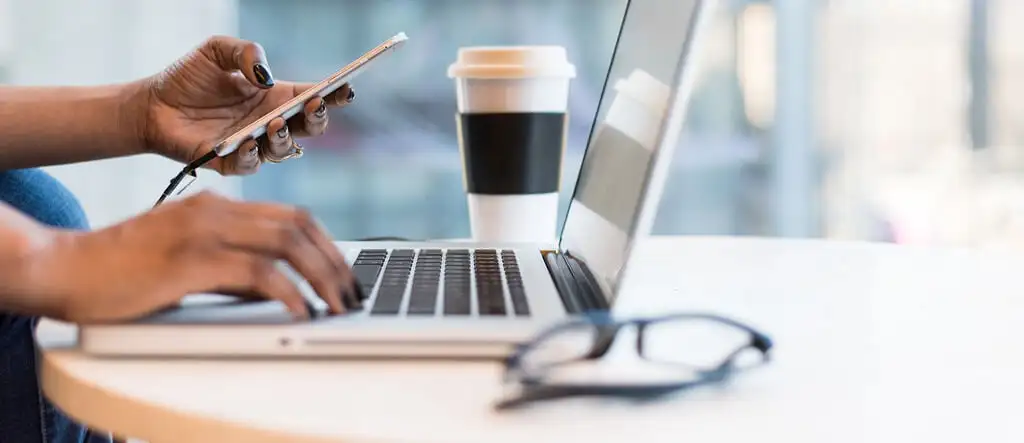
pixel 389 302
pixel 371 257
pixel 457 294
pixel 489 286
pixel 514 281
pixel 366 277
pixel 518 296
pixel 456 301
pixel 367 268
pixel 491 299
pixel 425 282
pixel 392 285
pixel 422 301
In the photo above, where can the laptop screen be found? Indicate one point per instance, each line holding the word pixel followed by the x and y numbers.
pixel 603 214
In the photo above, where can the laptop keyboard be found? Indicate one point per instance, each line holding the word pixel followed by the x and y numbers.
pixel 438 282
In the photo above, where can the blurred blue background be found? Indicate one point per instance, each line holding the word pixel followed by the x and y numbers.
pixel 879 120
pixel 390 163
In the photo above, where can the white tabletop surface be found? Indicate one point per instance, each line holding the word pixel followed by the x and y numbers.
pixel 873 343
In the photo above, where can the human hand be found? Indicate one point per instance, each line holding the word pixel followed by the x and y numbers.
pixel 201 244
pixel 216 89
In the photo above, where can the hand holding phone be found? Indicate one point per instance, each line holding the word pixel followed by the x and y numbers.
pixel 259 127
pixel 326 86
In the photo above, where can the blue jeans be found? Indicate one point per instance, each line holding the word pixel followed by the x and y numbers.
pixel 25 416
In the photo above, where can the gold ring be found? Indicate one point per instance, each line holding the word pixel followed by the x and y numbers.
pixel 294 152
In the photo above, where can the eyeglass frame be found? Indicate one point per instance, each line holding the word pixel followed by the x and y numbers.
pixel 607 329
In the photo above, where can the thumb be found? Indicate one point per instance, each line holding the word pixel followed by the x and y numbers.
pixel 234 54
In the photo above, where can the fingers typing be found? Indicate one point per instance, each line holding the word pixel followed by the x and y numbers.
pixel 292 235
pixel 240 272
pixel 351 293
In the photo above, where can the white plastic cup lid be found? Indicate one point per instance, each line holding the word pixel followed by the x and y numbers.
pixel 646 89
pixel 504 62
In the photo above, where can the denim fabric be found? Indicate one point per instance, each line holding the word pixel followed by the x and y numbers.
pixel 25 416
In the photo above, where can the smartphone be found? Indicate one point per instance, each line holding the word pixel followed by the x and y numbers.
pixel 322 89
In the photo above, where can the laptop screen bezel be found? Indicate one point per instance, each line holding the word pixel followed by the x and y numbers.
pixel 669 129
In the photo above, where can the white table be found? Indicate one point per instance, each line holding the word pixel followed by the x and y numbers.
pixel 873 343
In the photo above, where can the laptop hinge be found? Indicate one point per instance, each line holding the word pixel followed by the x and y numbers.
pixel 579 291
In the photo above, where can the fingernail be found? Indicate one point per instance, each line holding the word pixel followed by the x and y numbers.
pixel 352 301
pixel 360 295
pixel 263 75
pixel 351 95
pixel 310 309
pixel 283 132
pixel 255 149
pixel 321 110
pixel 356 291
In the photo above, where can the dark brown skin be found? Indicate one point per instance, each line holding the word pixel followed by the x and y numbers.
pixel 214 90
pixel 203 243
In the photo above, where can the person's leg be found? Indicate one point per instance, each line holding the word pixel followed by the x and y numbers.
pixel 25 415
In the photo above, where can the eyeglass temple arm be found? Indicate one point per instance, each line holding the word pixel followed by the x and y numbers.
pixel 188 170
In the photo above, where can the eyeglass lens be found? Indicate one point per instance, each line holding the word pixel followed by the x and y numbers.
pixel 570 343
pixel 700 344
pixel 681 349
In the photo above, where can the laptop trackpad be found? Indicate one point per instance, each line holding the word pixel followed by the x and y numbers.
pixel 221 309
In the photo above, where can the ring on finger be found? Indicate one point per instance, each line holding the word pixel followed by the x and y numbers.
pixel 256 151
pixel 295 151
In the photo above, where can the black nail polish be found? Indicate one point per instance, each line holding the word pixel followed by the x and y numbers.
pixel 352 301
pixel 351 95
pixel 283 132
pixel 347 301
pixel 359 292
pixel 322 109
pixel 263 75
pixel 310 309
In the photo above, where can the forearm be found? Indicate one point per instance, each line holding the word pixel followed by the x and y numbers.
pixel 42 126
pixel 24 280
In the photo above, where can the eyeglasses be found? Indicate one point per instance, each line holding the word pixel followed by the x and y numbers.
pixel 676 352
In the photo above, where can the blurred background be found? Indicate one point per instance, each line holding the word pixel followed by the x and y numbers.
pixel 880 120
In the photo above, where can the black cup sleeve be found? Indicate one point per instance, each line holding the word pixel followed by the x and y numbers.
pixel 512 153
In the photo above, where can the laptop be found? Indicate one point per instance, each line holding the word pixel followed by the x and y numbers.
pixel 478 300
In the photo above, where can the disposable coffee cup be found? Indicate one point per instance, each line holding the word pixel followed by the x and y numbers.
pixel 512 123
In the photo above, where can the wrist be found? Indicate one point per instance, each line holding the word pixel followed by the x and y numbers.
pixel 46 272
pixel 133 112
pixel 64 285
pixel 33 283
